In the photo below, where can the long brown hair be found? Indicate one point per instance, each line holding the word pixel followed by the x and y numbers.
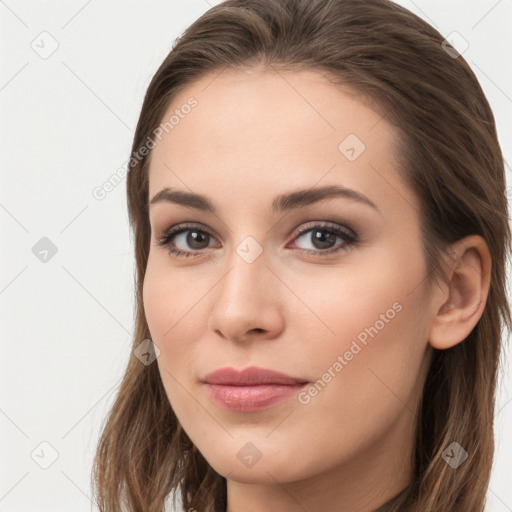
pixel 451 159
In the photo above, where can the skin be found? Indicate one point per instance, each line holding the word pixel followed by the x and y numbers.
pixel 254 135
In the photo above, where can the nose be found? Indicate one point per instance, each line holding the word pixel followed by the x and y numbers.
pixel 246 302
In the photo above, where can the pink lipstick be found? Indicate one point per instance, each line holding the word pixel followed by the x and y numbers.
pixel 251 389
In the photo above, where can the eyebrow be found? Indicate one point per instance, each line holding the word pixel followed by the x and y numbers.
pixel 282 203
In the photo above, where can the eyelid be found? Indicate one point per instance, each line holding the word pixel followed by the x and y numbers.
pixel 324 225
pixel 297 231
pixel 179 228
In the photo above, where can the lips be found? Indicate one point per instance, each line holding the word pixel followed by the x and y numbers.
pixel 251 376
pixel 251 389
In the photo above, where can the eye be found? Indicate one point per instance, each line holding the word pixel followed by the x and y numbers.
pixel 321 236
pixel 185 235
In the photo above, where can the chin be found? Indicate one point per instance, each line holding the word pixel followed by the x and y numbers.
pixel 235 463
pixel 259 474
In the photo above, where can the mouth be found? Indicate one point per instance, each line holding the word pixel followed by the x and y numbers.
pixel 251 389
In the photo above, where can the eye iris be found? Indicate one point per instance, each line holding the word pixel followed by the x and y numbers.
pixel 324 238
pixel 194 236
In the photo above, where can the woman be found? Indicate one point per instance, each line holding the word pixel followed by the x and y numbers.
pixel 317 195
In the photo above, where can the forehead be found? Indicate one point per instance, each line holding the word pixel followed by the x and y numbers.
pixel 231 103
pixel 262 130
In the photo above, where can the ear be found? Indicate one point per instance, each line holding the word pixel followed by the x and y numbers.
pixel 461 302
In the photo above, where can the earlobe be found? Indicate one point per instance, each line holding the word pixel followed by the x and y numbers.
pixel 463 302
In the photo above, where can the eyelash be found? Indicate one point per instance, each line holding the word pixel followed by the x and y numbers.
pixel 165 240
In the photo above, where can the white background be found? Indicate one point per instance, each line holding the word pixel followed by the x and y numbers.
pixel 66 126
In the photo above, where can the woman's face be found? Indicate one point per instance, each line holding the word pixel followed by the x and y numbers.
pixel 351 321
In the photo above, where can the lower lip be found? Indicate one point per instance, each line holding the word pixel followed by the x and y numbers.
pixel 250 398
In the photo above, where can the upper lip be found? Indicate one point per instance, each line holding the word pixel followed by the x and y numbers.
pixel 250 376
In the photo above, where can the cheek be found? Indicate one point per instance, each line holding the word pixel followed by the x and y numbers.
pixel 169 300
pixel 368 374
pixel 165 313
pixel 177 322
pixel 158 303
pixel 370 337
pixel 355 303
